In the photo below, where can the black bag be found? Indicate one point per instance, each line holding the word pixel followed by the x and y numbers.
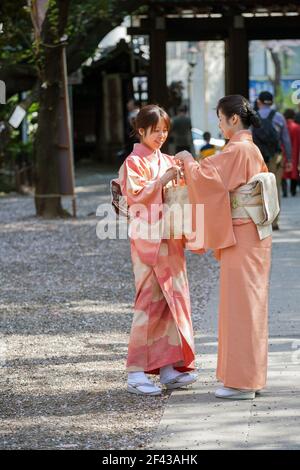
pixel 266 138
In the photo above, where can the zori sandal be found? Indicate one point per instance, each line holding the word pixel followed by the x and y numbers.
pixel 181 380
pixel 234 393
pixel 146 388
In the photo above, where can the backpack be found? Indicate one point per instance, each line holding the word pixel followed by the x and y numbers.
pixel 266 137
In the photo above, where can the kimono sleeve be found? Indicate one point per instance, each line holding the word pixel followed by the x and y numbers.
pixel 206 187
pixel 237 163
pixel 138 184
pixel 231 165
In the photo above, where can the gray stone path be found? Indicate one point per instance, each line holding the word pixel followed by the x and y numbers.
pixel 195 419
pixel 66 305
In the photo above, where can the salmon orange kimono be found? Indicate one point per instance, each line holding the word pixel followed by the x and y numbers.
pixel 161 332
pixel 244 259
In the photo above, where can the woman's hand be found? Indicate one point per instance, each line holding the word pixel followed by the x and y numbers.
pixel 181 156
pixel 169 175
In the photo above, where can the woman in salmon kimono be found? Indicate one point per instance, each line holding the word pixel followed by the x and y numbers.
pixel 161 339
pixel 244 257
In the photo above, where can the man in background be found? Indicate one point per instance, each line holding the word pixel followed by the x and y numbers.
pixel 133 108
pixel 208 149
pixel 271 138
pixel 181 131
pixel 293 175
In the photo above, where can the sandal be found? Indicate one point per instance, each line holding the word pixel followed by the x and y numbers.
pixel 234 393
pixel 137 389
pixel 182 380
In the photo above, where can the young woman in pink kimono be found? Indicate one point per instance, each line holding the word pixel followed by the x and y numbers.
pixel 161 339
pixel 244 257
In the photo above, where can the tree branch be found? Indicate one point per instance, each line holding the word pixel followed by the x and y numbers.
pixel 22 77
pixel 85 44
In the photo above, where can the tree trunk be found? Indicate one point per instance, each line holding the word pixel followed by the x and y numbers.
pixel 47 175
pixel 277 78
pixel 47 198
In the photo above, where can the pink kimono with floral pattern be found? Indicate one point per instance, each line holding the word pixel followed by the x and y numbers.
pixel 162 331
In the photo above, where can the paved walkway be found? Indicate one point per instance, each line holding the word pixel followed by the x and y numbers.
pixel 195 419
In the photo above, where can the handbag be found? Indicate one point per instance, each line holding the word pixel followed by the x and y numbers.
pixel 178 213
pixel 118 201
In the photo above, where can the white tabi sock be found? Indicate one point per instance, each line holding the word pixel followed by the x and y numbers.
pixel 138 377
pixel 168 373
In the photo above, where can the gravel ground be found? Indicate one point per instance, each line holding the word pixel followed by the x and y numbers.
pixel 66 309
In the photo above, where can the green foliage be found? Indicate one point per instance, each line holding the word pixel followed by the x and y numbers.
pixel 18 149
pixel 53 19
pixel 17 43
pixel 86 24
pixel 16 153
pixel 13 149
pixel 287 102
pixel 6 111
pixel 82 14
pixel 16 39
pixel 6 183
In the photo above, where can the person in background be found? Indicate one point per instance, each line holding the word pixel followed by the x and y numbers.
pixel 181 131
pixel 208 149
pixel 133 108
pixel 255 105
pixel 293 175
pixel 297 120
pixel 271 138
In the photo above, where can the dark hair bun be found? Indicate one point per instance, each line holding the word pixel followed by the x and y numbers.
pixel 238 104
pixel 254 118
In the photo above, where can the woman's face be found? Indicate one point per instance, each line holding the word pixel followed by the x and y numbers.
pixel 154 139
pixel 227 125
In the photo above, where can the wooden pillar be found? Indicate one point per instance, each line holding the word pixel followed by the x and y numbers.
pixel 236 59
pixel 158 65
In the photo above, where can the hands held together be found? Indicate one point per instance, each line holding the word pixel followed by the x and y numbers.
pixel 170 175
pixel 181 156
pixel 172 172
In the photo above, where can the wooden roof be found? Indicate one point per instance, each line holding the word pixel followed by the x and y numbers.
pixel 226 7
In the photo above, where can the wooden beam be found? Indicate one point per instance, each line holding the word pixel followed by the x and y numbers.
pixel 198 29
pixel 158 64
pixel 187 29
pixel 237 61
pixel 236 31
pixel 281 27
